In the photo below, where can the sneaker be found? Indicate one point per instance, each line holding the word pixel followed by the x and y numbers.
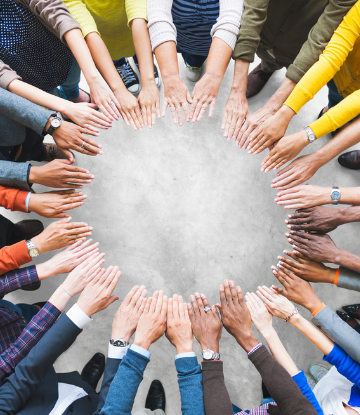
pixel 129 77
pixel 192 73
pixel 156 73
pixel 318 371
pixel 310 380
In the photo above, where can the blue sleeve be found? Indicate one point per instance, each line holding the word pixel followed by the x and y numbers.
pixel 14 174
pixel 344 364
pixel 301 381
pixel 190 384
pixel 123 389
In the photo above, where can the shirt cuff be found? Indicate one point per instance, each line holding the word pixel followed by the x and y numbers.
pixel 187 354
pixel 27 200
pixel 140 350
pixel 336 281
pixel 115 352
pixel 78 317
pixel 321 307
pixel 254 349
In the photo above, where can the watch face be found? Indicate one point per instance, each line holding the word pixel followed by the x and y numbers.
pixel 34 252
pixel 55 122
pixel 119 343
pixel 336 195
pixel 207 354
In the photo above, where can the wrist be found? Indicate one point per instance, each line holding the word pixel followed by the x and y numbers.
pixel 47 126
pixel 44 270
pixel 144 343
pixel 286 112
pixel 312 305
pixel 211 345
pixel 267 332
pixel 39 243
pixel 247 341
pixel 34 175
pixel 337 256
pixel 124 335
pixel 59 299
pixel 185 348
pixel 325 196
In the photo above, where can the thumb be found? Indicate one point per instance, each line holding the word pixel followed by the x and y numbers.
pixel 69 155
pixel 66 220
pixel 91 105
pixel 112 299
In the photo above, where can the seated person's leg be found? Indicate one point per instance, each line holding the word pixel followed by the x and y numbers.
pixel 193 64
pixel 13 233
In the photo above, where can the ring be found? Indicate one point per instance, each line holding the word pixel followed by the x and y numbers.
pixel 82 145
pixel 207 309
pixel 110 101
pixel 243 122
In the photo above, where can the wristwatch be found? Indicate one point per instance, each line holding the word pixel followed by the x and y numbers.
pixel 54 124
pixel 32 250
pixel 210 355
pixel 335 195
pixel 310 133
pixel 119 343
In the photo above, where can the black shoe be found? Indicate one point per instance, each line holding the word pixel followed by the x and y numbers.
pixel 93 370
pixel 156 396
pixel 156 73
pixel 351 160
pixel 129 77
pixel 30 228
pixel 32 287
pixel 257 79
pixel 350 320
pixel 41 304
pixel 353 310
pixel 265 392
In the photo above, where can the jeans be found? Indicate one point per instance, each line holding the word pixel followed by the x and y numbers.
pixel 70 88
pixel 144 411
pixel 193 60
pixel 28 311
pixel 334 96
pixel 268 62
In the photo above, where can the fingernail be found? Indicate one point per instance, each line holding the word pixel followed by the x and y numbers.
pixel 286 221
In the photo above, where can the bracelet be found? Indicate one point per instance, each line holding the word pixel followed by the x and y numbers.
pixel 67 292
pixel 295 311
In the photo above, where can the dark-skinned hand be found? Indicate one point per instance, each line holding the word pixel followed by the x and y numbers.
pixel 320 219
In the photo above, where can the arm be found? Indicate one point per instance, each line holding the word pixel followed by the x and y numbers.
pixel 344 364
pixel 13 256
pixel 13 199
pixel 14 174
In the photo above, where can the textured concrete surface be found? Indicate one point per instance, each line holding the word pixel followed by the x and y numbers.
pixel 180 209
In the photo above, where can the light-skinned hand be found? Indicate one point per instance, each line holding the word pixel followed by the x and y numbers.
pixel 207 327
pixel 129 109
pixel 127 317
pixel 149 101
pixel 260 315
pixel 235 112
pixel 177 97
pixel 305 196
pixel 276 304
pixel 104 98
pixel 320 219
pixel 85 114
pixel 152 323
pixel 97 294
pixel 178 325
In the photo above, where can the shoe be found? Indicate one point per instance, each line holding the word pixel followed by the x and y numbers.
pixel 349 320
pixel 351 160
pixel 318 371
pixel 310 380
pixel 321 113
pixel 53 152
pixel 93 370
pixel 265 392
pixel 30 228
pixel 156 73
pixel 32 287
pixel 156 396
pixel 353 310
pixel 39 305
pixel 193 73
pixel 129 77
pixel 257 79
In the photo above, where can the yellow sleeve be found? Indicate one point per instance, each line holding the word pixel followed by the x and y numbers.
pixel 81 14
pixel 337 116
pixel 136 9
pixel 330 62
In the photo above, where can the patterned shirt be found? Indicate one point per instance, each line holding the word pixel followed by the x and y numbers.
pixel 30 49
pixel 261 410
pixel 17 337
pixel 194 20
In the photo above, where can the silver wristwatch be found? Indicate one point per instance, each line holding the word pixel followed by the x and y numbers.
pixel 119 343
pixel 310 134
pixel 210 355
pixel 32 250
pixel 335 195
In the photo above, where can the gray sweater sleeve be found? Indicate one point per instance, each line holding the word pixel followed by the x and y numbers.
pixel 338 331
pixel 349 279
pixel 14 174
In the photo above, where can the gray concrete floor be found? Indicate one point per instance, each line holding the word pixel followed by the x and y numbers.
pixel 180 209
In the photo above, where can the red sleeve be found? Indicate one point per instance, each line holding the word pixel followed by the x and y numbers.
pixel 13 199
pixel 13 256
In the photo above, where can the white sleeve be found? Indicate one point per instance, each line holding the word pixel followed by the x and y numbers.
pixel 160 22
pixel 115 352
pixel 78 317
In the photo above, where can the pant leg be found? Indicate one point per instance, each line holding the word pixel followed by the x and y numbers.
pixel 70 88
pixel 194 60
pixel 268 62
pixel 334 96
pixel 9 233
pixel 28 311
pixel 144 411
pixel 236 409
pixel 32 148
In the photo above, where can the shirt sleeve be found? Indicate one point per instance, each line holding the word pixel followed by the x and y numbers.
pixel 29 337
pixel 115 352
pixel 78 317
pixel 13 199
pixel 7 75
pixel 141 350
pixel 160 24
pixel 82 15
pixel 301 381
pixel 14 174
pixel 344 364
pixel 136 9
pixel 15 280
pixel 13 256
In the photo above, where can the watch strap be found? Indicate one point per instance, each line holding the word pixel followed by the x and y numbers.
pixel 310 134
pixel 335 200
pixel 119 343
pixel 51 128
pixel 214 356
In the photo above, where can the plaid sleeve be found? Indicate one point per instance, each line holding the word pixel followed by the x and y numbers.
pixel 15 280
pixel 29 337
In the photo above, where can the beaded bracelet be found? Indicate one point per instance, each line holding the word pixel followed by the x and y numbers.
pixel 295 311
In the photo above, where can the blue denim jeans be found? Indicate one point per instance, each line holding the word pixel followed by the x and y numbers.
pixel 28 311
pixel 70 88
pixel 334 96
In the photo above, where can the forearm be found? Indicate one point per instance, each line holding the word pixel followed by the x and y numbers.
pixel 166 57
pixel 18 279
pixel 14 174
pixel 45 270
pixel 218 59
pixel 351 196
pixel 281 95
pixel 13 256
pixel 60 298
pixel 348 260
pixel 241 69
pixel 141 39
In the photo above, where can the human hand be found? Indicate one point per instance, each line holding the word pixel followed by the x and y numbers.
pixel 152 323
pixel 205 93
pixel 271 130
pixel 235 113
pixel 319 248
pixel 277 305
pixel 97 293
pixel 80 276
pixel 149 100
pixel 235 315
pixel 127 317
pixel 59 174
pixel 70 136
pixel 297 172
pixel 260 315
pixel 295 289
pixel 306 269
pixel 129 109
pixel 176 96
pixel 104 98
pixel 61 234
pixel 285 150
pixel 319 219
pixel 178 325
pixel 55 204
pixel 304 196
pixel 85 114
pixel 207 327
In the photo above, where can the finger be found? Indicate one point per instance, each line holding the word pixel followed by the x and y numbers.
pixel 279 291
pixel 164 309
pixel 159 302
pixel 179 114
pixel 222 295
pixel 199 303
pixel 139 306
pixel 130 295
pixel 228 293
pixel 136 115
pixel 125 118
pixel 212 108
pixel 186 111
pixel 197 110
pixel 224 120
pixel 165 105
pixel 158 109
pixel 142 305
pixel 234 294
pixel 195 306
pixel 144 115
pixel 191 313
pixel 170 310
pixel 173 113
pixel 131 121
pixel 203 110
pixel 148 305
pixel 113 283
pixel 238 125
pixel 111 300
pixel 205 301
pixel 240 295
pixel 149 112
pixel 193 105
pixel 181 307
pixel 153 304
pixel 176 306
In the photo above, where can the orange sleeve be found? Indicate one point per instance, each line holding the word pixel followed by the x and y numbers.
pixel 13 256
pixel 321 307
pixel 337 276
pixel 13 199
